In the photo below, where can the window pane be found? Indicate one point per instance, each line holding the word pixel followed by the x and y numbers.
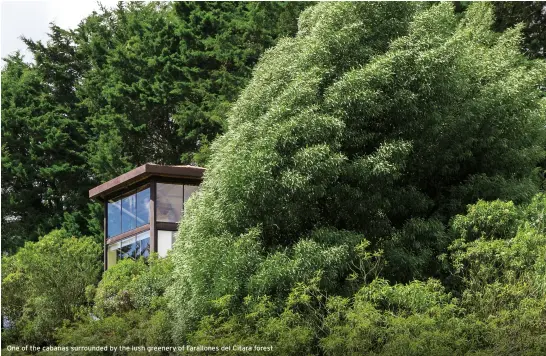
pixel 143 207
pixel 143 245
pixel 189 190
pixel 114 218
pixel 128 248
pixel 169 202
pixel 128 213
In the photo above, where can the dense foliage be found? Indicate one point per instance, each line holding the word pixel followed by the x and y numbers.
pixel 44 285
pixel 501 308
pixel 163 76
pixel 533 17
pixel 129 308
pixel 44 177
pixel 377 121
pixel 376 189
pixel 139 83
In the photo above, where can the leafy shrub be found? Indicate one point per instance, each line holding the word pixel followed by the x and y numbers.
pixel 44 284
pixel 490 220
pixel 129 307
pixel 133 284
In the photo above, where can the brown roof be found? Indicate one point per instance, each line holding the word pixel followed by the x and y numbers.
pixel 145 171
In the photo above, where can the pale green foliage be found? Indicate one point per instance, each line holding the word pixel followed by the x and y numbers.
pixel 535 213
pixel 502 310
pixel 134 328
pixel 495 219
pixel 129 307
pixel 507 260
pixel 131 284
pixel 378 120
pixel 44 284
pixel 415 319
pixel 114 292
pixel 332 252
pixel 504 274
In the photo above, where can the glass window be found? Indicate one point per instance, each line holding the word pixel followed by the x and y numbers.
pixel 189 190
pixel 128 213
pixel 128 248
pixel 143 207
pixel 114 218
pixel 131 247
pixel 143 245
pixel 169 202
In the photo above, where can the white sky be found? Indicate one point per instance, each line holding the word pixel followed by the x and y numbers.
pixel 32 18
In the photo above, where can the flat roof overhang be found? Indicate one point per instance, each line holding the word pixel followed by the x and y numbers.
pixel 105 190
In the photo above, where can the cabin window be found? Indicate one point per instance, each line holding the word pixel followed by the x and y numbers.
pixel 143 207
pixel 129 212
pixel 189 190
pixel 114 218
pixel 171 199
pixel 132 247
pixel 169 202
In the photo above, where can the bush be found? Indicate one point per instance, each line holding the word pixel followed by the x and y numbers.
pixel 44 283
pixel 129 307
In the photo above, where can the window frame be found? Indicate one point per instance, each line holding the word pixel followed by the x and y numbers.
pixel 183 199
pixel 119 198
pixel 133 241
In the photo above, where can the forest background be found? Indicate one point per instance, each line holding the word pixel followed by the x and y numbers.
pixel 429 246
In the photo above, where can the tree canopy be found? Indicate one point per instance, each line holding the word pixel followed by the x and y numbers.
pixel 135 84
pixel 377 121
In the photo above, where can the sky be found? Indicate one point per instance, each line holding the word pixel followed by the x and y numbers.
pixel 32 18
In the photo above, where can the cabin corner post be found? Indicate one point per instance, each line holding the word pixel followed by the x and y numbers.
pixel 153 205
pixel 105 219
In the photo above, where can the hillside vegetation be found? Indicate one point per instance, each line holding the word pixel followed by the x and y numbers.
pixel 376 188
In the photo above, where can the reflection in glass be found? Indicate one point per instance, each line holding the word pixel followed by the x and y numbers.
pixel 131 247
pixel 189 190
pixel 128 248
pixel 169 202
pixel 128 213
pixel 143 245
pixel 143 207
pixel 114 218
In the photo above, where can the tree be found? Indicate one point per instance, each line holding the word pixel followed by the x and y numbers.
pixel 44 170
pixel 135 84
pixel 163 76
pixel 223 42
pixel 378 120
pixel 533 16
pixel 501 307
pixel 44 284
